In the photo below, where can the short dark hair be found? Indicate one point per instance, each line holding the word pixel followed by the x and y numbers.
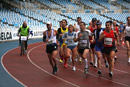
pixel 83 23
pixel 65 21
pixel 109 22
pixel 71 26
pixel 94 19
pixel 128 17
pixel 78 17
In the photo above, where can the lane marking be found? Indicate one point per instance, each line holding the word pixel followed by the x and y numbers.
pixel 45 70
pixel 42 44
pixel 119 83
pixel 7 70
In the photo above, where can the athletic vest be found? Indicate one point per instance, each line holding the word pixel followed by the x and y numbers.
pixel 116 29
pixel 77 27
pixel 70 39
pixel 121 27
pixel 108 39
pixel 84 40
pixel 63 31
pixel 127 29
pixel 52 39
pixel 91 29
pixel 96 38
pixel 24 31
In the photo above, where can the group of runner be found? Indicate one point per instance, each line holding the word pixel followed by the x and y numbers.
pixel 76 41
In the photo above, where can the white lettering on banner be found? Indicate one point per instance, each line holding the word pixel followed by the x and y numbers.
pixel 8 34
pixel 5 35
pixel 38 33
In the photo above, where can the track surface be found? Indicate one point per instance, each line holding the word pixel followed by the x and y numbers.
pixel 34 70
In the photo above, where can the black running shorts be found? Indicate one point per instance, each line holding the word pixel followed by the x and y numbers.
pixel 51 48
pixel 81 51
pixel 127 39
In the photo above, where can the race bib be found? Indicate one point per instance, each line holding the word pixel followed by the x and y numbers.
pixel 83 43
pixel 128 33
pixel 23 38
pixel 70 40
pixel 50 41
pixel 108 41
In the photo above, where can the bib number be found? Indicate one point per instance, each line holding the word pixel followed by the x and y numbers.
pixel 50 41
pixel 108 41
pixel 83 43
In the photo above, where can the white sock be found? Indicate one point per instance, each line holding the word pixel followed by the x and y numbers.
pixel 95 59
pixel 129 60
pixel 86 63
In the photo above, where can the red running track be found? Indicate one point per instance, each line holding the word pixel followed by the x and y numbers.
pixel 34 70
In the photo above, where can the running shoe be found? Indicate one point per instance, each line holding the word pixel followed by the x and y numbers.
pixel 75 59
pixel 111 74
pixel 106 64
pixel 91 64
pixel 54 71
pixel 65 65
pixel 56 68
pixel 61 61
pixel 129 60
pixel 86 70
pixel 95 65
pixel 99 72
pixel 80 59
pixel 74 68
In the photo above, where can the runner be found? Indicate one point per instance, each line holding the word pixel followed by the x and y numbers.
pixel 93 57
pixel 127 38
pixel 121 27
pixel 49 36
pixel 77 24
pixel 61 31
pixel 68 37
pixel 84 44
pixel 109 45
pixel 77 29
pixel 115 28
pixel 99 46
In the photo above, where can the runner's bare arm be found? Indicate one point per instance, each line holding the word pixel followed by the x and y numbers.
pixel 44 37
pixel 101 37
pixel 57 36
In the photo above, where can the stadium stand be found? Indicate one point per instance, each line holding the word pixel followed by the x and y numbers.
pixel 36 16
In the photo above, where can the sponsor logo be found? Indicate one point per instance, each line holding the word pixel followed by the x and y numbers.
pixel 5 35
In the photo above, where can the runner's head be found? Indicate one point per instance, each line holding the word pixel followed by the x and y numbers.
pixel 64 23
pixel 128 19
pixel 60 23
pixel 121 23
pixel 79 20
pixel 108 25
pixel 24 24
pixel 90 23
pixel 114 23
pixel 99 24
pixel 82 26
pixel 48 25
pixel 94 20
pixel 70 28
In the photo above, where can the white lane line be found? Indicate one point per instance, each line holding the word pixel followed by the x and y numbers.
pixel 45 70
pixel 83 71
pixel 7 70
pixel 103 78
